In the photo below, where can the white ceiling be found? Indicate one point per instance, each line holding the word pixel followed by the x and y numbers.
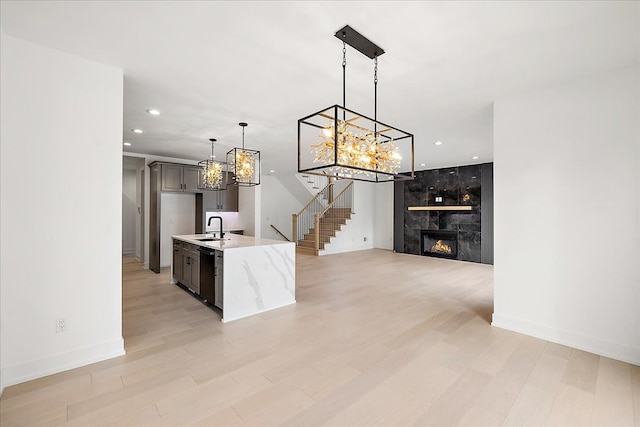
pixel 209 65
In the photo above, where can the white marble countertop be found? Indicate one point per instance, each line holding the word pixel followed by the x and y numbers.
pixel 231 241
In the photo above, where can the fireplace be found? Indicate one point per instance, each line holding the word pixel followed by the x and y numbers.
pixel 440 243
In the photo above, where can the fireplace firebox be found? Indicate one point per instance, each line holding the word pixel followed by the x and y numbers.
pixel 440 243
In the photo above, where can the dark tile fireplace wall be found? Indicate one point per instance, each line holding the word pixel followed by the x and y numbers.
pixel 457 186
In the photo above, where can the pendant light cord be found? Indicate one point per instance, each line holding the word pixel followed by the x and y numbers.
pixel 375 88
pixel 213 153
pixel 344 70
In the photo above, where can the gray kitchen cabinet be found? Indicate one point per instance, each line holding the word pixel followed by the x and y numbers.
pixel 177 261
pixel 221 200
pixel 179 178
pixel 169 177
pixel 219 279
pixel 190 177
pixel 189 260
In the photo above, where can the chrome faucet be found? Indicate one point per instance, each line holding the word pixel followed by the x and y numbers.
pixel 209 225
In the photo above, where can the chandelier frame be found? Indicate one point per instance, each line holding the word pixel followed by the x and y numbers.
pixel 204 166
pixel 333 168
pixel 361 155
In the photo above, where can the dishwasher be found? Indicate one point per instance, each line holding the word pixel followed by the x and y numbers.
pixel 211 270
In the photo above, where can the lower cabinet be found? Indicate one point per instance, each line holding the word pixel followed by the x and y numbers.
pixel 219 278
pixel 177 261
pixel 186 265
pixel 201 272
pixel 191 270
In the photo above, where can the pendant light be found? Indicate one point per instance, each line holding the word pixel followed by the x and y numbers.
pixel 212 172
pixel 244 164
pixel 343 143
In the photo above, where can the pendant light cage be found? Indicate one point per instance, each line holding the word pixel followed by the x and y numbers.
pixel 348 145
pixel 212 174
pixel 243 165
pixel 366 149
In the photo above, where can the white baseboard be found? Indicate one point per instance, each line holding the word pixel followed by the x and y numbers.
pixel 571 339
pixel 17 374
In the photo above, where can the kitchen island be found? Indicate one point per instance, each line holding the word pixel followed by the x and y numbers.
pixel 251 275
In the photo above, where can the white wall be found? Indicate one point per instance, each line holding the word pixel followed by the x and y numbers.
pixel 178 217
pixel 249 205
pixel 230 221
pixel 278 204
pixel 129 211
pixel 567 214
pixel 61 169
pixel 361 225
pixel 383 216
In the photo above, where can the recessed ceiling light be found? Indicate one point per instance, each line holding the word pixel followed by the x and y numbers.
pixel 272 171
pixel 475 157
pixel 423 164
pixel 153 112
pixel 136 130
pixel 127 144
pixel 437 143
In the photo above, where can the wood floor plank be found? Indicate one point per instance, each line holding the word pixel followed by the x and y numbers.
pixel 504 387
pixel 582 370
pixel 572 407
pixel 376 339
pixel 451 407
pixel 635 385
pixel 613 402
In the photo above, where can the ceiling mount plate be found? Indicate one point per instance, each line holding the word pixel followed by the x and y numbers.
pixel 359 42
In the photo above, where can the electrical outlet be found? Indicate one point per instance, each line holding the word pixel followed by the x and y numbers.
pixel 365 239
pixel 61 324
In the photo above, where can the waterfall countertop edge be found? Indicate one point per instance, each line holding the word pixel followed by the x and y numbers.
pixel 231 241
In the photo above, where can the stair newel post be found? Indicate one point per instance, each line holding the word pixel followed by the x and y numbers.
pixel 294 228
pixel 317 234
pixel 330 190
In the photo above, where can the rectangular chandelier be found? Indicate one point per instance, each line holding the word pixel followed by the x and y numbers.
pixel 366 149
pixel 345 144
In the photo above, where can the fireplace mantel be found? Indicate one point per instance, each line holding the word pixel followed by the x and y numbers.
pixel 440 208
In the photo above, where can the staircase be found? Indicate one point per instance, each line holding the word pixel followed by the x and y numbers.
pixel 318 222
pixel 313 183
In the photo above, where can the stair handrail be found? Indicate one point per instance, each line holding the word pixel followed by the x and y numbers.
pixel 313 199
pixel 337 200
pixel 344 200
pixel 280 232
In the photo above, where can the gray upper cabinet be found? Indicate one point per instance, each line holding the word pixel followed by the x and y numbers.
pixel 180 178
pixel 190 176
pixel 171 178
pixel 221 201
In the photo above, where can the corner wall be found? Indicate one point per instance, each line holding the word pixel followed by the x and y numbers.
pixel 567 214
pixel 278 204
pixel 60 204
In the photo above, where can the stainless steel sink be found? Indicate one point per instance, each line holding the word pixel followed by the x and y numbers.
pixel 210 239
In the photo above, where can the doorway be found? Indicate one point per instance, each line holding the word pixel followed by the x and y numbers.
pixel 133 177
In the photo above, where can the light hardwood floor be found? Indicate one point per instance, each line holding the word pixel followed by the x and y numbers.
pixel 375 339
